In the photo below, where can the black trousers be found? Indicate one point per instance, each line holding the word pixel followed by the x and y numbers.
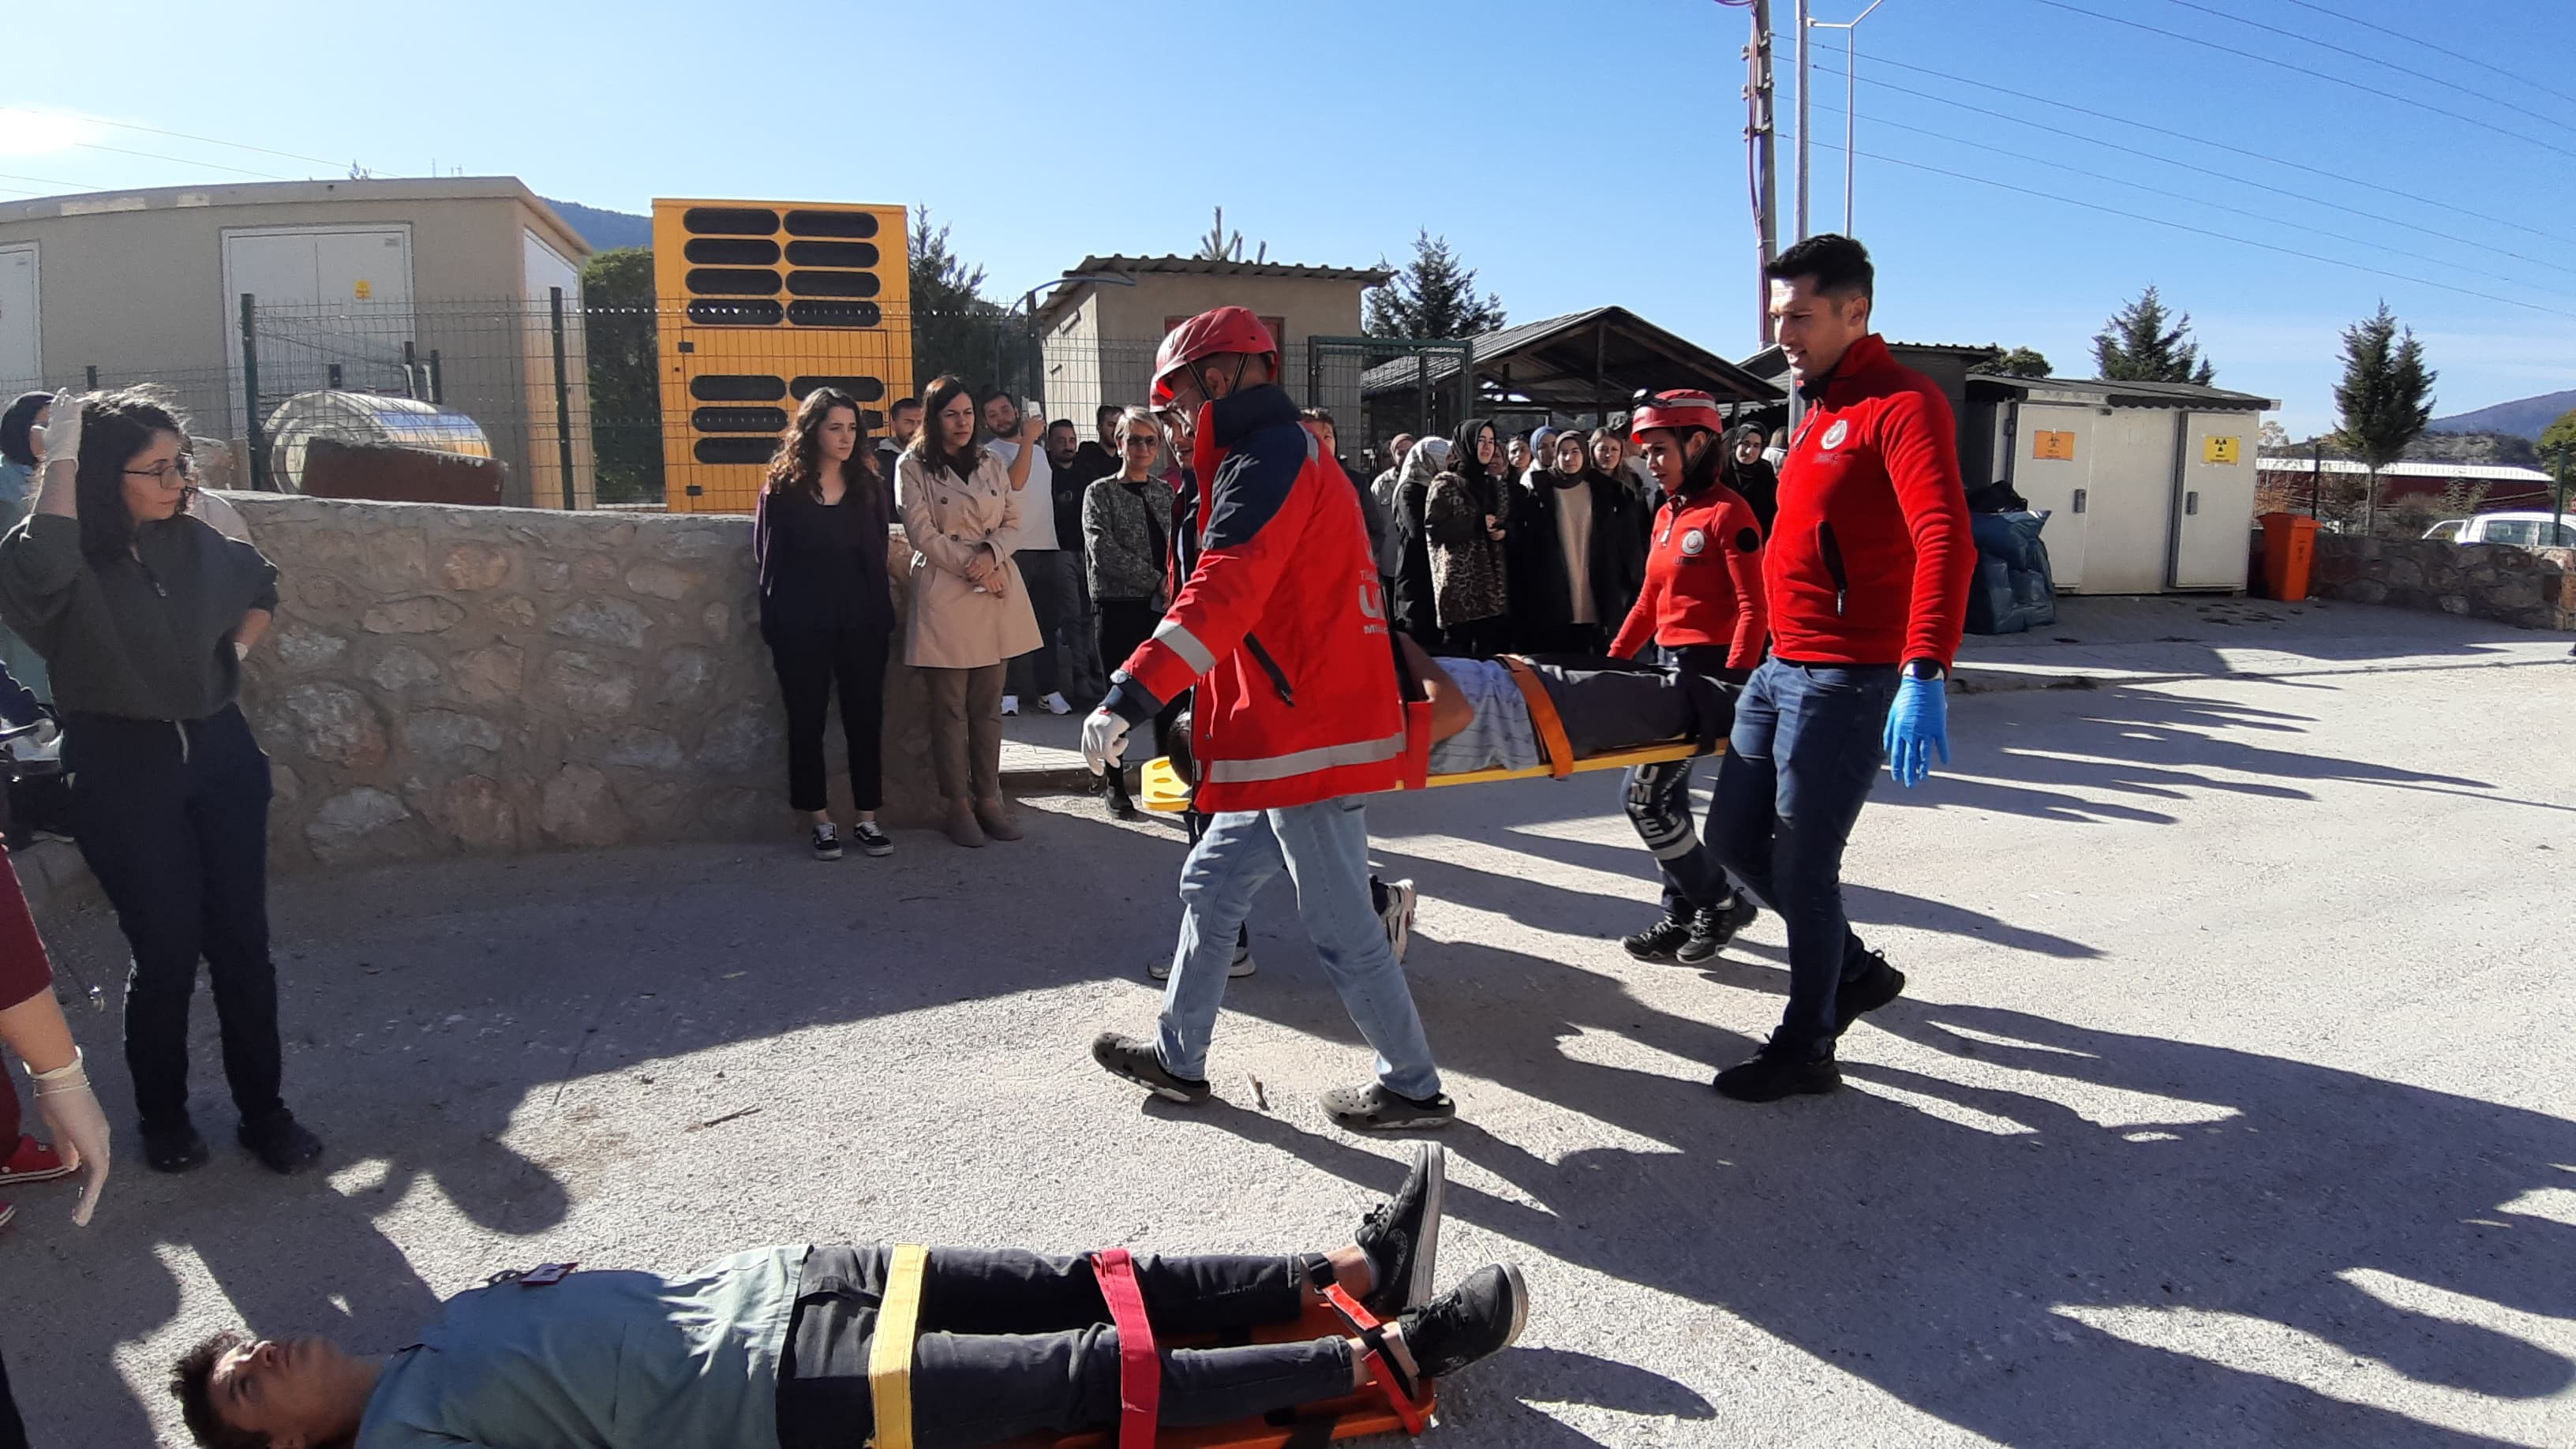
pixel 1012 1343
pixel 810 662
pixel 13 1432
pixel 172 818
pixel 1478 638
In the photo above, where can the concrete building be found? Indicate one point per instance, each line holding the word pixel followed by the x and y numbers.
pixel 1097 337
pixel 359 284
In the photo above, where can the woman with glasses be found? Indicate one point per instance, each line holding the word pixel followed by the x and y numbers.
pixel 144 614
pixel 1124 534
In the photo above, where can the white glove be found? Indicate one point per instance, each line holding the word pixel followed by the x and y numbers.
pixel 63 429
pixel 79 1128
pixel 44 734
pixel 1104 741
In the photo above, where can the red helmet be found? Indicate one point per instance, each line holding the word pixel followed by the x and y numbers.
pixel 1218 330
pixel 1680 410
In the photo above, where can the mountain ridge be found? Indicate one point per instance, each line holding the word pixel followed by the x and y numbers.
pixel 2524 417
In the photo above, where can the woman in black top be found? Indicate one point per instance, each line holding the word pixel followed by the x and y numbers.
pixel 819 541
pixel 144 614
pixel 1751 474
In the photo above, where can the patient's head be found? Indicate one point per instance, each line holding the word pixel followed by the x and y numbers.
pixel 237 1392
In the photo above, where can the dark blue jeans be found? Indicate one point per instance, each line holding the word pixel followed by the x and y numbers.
pixel 1798 767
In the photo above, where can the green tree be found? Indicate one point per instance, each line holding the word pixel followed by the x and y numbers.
pixel 621 332
pixel 2136 345
pixel 954 324
pixel 2558 441
pixel 1432 296
pixel 2385 398
pixel 1218 246
pixel 2016 362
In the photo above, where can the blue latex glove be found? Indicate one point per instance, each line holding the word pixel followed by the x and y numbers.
pixel 1917 724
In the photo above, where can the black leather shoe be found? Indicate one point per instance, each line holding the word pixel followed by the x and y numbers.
pixel 280 1142
pixel 174 1147
pixel 1769 1075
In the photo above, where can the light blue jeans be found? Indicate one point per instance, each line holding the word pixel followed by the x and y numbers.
pixel 1324 849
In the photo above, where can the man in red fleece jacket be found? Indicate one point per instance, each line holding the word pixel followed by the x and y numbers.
pixel 1867 577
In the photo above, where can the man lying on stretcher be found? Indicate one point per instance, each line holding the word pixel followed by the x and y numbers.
pixel 1481 717
pixel 779 1347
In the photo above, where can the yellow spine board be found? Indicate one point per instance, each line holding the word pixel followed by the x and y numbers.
pixel 890 1351
pixel 1165 790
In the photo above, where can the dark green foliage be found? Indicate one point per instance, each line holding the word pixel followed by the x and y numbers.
pixel 2137 345
pixel 1432 296
pixel 619 329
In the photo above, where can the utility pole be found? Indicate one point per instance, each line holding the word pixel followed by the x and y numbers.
pixel 1759 136
pixel 1850 95
pixel 1805 32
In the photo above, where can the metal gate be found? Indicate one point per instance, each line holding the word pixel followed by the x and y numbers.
pixel 1390 385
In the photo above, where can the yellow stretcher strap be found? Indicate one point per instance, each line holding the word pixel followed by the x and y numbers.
pixel 890 1352
pixel 1543 716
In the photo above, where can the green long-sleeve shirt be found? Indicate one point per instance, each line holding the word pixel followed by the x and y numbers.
pixel 144 636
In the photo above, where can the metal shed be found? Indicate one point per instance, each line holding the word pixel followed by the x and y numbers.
pixel 1581 364
pixel 2149 485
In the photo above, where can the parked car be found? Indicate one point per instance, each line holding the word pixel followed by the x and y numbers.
pixel 2526 530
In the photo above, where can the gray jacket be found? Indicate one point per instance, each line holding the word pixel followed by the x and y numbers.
pixel 141 636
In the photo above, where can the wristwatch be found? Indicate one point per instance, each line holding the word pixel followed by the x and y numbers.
pixel 1923 669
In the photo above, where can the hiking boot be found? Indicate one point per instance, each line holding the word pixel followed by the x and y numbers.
pixel 1397 915
pixel 1857 998
pixel 1477 1319
pixel 1242 965
pixel 1660 941
pixel 870 839
pixel 1139 1061
pixel 1773 1073
pixel 1402 1235
pixel 1375 1109
pixel 281 1143
pixel 174 1148
pixel 827 843
pixel 1713 927
pixel 32 1161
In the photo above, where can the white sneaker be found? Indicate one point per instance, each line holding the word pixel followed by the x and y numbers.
pixel 1243 965
pixel 1055 704
pixel 1010 705
pixel 1398 916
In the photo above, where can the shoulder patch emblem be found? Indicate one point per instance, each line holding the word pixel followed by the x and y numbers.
pixel 1694 543
pixel 1747 540
pixel 1834 435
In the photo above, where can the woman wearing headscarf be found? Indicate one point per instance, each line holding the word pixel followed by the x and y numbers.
pixel 1750 474
pixel 1576 552
pixel 1415 613
pixel 1465 520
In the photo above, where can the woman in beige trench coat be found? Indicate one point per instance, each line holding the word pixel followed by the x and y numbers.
pixel 969 613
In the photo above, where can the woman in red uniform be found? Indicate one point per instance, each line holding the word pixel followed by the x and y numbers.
pixel 1701 610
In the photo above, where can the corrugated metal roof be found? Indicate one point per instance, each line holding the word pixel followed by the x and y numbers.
pixel 1201 266
pixel 1637 335
pixel 2409 468
pixel 2136 394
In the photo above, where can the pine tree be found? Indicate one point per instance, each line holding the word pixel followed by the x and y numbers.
pixel 1432 296
pixel 2137 346
pixel 2385 398
pixel 1217 246
pixel 952 321
pixel 622 336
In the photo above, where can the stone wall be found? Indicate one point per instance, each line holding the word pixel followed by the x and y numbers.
pixel 2532 587
pixel 444 679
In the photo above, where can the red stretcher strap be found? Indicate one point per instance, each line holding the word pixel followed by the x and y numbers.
pixel 1367 1324
pixel 1140 1368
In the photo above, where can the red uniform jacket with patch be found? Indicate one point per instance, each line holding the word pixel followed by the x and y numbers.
pixel 1870 556
pixel 1279 623
pixel 1703 579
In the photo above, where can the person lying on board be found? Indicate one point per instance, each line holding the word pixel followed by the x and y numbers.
pixel 1481 718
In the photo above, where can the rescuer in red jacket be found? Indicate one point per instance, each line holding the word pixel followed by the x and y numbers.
pixel 1701 610
pixel 1866 575
pixel 1282 628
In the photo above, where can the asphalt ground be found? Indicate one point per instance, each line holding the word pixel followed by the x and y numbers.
pixel 2230 1103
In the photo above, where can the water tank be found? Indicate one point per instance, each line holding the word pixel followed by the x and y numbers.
pixel 364 420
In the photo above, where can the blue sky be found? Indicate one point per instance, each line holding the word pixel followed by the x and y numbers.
pixel 1576 154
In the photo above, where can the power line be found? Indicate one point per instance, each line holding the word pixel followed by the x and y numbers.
pixel 211 141
pixel 2210 171
pixel 2179 195
pixel 50 181
pixel 2363 56
pixel 2216 235
pixel 181 161
pixel 2331 79
pixel 2540 86
pixel 2205 141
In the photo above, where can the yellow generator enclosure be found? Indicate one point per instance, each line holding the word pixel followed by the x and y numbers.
pixel 762 302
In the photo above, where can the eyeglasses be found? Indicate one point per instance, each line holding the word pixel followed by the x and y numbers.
pixel 1139 440
pixel 164 474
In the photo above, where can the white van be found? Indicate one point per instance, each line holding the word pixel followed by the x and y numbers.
pixel 2526 530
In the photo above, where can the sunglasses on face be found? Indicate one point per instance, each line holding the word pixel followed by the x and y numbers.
pixel 1139 440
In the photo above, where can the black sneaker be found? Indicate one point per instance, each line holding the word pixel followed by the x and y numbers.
pixel 1402 1235
pixel 1855 999
pixel 1142 1063
pixel 173 1148
pixel 870 839
pixel 827 843
pixel 1712 928
pixel 280 1142
pixel 1660 941
pixel 1769 1075
pixel 1477 1319
pixel 1375 1109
